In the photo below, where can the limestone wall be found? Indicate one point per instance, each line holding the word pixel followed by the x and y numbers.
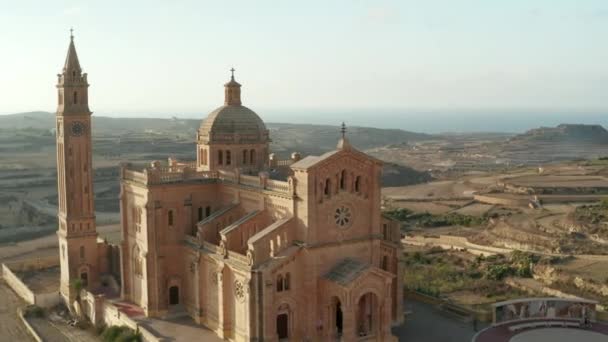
pixel 17 285
pixel 44 300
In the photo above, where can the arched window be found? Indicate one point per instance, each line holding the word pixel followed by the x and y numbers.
pixel 75 98
pixel 200 213
pixel 327 188
pixel 280 283
pixel 252 156
pixel 220 157
pixel 228 158
pixel 343 180
pixel 170 218
pixel 358 184
pixel 81 252
pixel 286 282
pixel 244 157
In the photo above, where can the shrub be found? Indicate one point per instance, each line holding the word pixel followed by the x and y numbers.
pixel 34 311
pixel 399 214
pixel 497 272
pixel 120 334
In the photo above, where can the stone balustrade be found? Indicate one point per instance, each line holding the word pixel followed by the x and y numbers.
pixel 156 175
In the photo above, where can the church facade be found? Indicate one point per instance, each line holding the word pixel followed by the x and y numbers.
pixel 253 248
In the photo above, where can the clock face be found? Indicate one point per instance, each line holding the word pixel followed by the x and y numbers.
pixel 78 129
pixel 343 216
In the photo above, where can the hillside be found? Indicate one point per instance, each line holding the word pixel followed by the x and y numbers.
pixel 287 138
pixel 566 133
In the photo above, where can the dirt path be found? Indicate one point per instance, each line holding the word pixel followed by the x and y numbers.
pixel 11 327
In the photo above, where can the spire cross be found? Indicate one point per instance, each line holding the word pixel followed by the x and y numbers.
pixel 232 71
pixel 72 32
pixel 343 130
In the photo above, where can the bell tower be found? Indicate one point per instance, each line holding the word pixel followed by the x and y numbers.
pixel 76 208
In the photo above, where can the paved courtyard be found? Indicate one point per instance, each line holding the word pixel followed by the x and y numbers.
pixel 427 324
pixel 11 327
pixel 182 329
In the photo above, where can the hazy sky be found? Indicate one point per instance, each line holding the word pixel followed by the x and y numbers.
pixel 158 57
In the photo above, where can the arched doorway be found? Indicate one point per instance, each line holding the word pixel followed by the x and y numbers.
pixel 367 315
pixel 283 326
pixel 173 295
pixel 84 277
pixel 337 318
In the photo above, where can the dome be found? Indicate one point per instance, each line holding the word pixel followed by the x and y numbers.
pixel 233 119
pixel 233 122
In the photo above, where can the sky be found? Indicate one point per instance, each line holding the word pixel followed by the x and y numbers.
pixel 158 58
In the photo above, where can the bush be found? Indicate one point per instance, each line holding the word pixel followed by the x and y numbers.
pixel 120 334
pixel 400 214
pixel 497 272
pixel 34 311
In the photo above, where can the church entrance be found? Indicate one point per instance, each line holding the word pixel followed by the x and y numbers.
pixel 173 295
pixel 283 326
pixel 367 315
pixel 84 276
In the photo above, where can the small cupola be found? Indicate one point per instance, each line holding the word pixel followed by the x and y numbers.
pixel 232 92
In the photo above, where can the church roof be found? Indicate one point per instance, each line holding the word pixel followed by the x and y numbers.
pixel 346 271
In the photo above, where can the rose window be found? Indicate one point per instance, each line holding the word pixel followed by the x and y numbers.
pixel 343 216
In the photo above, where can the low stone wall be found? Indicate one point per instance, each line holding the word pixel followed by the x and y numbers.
pixel 113 317
pixel 511 202
pixel 44 300
pixel 17 285
pixel 28 326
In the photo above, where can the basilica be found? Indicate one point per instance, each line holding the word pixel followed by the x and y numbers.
pixel 250 246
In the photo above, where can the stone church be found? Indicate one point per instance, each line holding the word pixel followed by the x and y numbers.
pixel 249 246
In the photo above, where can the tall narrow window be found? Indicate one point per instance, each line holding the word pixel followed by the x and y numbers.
pixel 228 158
pixel 75 98
pixel 244 157
pixel 207 211
pixel 81 252
pixel 327 187
pixel 280 283
pixel 220 157
pixel 287 282
pixel 385 263
pixel 200 213
pixel 358 184
pixel 343 180
pixel 170 217
pixel 252 156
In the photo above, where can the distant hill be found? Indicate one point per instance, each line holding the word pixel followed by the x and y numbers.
pixel 565 133
pixel 287 138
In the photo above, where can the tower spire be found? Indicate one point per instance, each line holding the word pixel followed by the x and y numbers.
pixel 72 65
